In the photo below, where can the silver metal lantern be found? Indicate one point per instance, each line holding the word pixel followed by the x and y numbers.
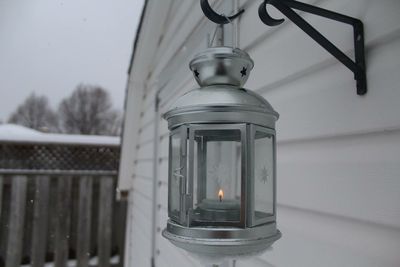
pixel 222 161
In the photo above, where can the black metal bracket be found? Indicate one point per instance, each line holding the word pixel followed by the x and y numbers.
pixel 286 6
pixel 215 17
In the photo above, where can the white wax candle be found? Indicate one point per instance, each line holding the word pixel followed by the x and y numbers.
pixel 224 204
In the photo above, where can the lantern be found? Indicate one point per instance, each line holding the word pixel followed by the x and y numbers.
pixel 222 161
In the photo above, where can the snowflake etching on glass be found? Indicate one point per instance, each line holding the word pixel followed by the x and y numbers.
pixel 217 173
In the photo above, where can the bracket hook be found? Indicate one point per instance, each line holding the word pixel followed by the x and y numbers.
pixel 265 17
pixel 215 17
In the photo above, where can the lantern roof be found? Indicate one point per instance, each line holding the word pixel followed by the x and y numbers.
pixel 221 104
pixel 221 96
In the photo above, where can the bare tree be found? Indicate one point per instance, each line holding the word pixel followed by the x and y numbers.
pixel 35 113
pixel 89 111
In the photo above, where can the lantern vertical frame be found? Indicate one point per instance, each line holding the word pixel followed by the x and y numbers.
pixel 181 131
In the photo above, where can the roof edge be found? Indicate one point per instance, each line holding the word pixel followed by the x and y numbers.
pixel 138 30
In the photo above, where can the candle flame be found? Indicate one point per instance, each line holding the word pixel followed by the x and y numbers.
pixel 220 194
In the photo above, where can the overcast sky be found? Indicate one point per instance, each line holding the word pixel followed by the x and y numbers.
pixel 50 46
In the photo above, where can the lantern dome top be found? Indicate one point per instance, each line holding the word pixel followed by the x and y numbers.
pixel 221 65
pixel 221 104
pixel 221 96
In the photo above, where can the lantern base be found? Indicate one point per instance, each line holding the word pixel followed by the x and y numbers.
pixel 222 241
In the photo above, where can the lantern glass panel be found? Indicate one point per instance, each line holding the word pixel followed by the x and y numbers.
pixel 264 175
pixel 176 175
pixel 217 176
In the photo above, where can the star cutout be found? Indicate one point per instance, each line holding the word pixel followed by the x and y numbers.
pixel 243 71
pixel 196 73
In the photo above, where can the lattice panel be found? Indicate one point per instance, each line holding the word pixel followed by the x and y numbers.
pixel 51 157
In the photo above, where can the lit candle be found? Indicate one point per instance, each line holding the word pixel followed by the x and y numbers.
pixel 220 203
pixel 220 195
pixel 218 209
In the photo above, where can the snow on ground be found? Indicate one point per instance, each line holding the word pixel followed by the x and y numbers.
pixel 72 263
pixel 21 134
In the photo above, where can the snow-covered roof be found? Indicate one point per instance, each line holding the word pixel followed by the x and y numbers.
pixel 21 134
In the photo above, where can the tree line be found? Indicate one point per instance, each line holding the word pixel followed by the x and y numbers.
pixel 88 110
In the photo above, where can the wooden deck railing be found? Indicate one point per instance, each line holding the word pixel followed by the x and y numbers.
pixel 58 214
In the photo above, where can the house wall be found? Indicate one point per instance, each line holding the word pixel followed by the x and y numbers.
pixel 338 153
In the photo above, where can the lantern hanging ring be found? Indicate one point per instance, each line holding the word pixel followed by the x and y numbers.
pixel 215 17
pixel 216 29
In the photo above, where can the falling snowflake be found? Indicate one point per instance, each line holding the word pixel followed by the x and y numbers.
pixel 264 175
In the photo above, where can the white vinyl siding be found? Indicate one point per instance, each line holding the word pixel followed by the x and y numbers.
pixel 338 154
